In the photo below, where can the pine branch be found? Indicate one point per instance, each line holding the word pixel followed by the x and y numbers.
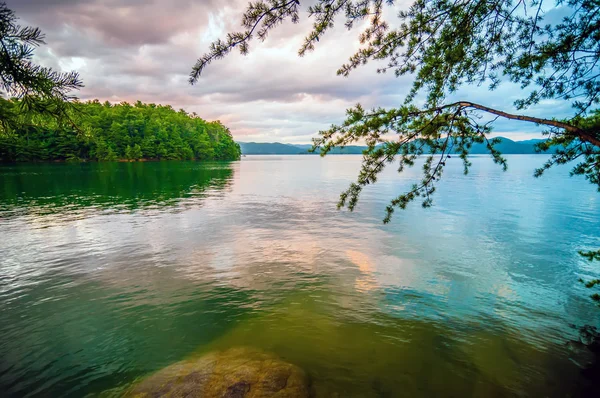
pixel 260 17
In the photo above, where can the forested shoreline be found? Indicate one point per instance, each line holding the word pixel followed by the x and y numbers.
pixel 111 132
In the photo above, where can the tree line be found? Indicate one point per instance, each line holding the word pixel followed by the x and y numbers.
pixel 109 132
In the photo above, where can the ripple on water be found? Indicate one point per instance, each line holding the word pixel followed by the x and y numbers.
pixel 113 273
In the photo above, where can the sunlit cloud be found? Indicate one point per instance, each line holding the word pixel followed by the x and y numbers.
pixel 129 50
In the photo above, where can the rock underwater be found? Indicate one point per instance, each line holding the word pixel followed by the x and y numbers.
pixel 234 373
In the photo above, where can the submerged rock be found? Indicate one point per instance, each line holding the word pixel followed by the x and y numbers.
pixel 234 373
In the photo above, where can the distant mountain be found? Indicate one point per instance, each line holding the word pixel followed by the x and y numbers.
pixel 269 148
pixel 276 148
pixel 532 142
pixel 506 146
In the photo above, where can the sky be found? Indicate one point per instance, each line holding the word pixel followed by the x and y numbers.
pixel 129 50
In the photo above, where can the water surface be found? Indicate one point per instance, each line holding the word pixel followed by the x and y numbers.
pixel 109 272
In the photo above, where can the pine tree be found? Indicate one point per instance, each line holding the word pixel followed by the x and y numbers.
pixel 445 45
pixel 41 91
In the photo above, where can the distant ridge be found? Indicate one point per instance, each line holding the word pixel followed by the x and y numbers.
pixel 506 146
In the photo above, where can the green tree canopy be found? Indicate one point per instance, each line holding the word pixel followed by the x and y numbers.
pixel 107 132
pixel 41 91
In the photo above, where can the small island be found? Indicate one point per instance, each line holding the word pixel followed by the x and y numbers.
pixel 99 131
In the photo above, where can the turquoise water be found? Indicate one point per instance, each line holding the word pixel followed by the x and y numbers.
pixel 109 272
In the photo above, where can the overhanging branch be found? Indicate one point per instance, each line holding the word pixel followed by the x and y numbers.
pixel 581 133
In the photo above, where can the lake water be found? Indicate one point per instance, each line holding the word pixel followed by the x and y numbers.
pixel 110 272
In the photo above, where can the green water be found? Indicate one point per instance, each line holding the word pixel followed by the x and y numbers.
pixel 109 272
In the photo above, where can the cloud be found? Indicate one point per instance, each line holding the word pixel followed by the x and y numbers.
pixel 129 50
pixel 118 23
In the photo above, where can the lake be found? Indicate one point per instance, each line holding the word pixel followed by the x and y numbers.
pixel 110 272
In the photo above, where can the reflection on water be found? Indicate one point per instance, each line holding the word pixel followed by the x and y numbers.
pixel 110 272
pixel 61 188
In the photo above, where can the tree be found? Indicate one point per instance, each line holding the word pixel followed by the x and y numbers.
pixel 136 152
pixel 128 154
pixel 445 45
pixel 119 131
pixel 41 91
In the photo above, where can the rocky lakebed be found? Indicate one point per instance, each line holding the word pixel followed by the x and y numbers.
pixel 234 373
